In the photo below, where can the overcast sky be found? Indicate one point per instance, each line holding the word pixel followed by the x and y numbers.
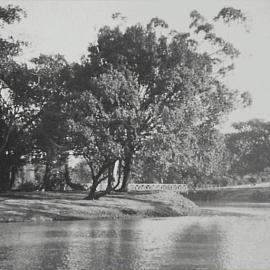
pixel 67 27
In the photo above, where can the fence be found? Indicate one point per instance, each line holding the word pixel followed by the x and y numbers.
pixel 182 188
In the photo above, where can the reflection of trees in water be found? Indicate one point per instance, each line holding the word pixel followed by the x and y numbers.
pixel 105 244
pixel 34 247
pixel 109 245
pixel 6 253
pixel 96 247
pixel 51 251
pixel 177 244
pixel 148 244
pixel 69 246
pixel 132 244
pixel 198 246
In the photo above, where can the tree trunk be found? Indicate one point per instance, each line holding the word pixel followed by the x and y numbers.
pixel 118 174
pixel 126 172
pixel 9 165
pixel 46 178
pixel 12 177
pixel 5 172
pixel 91 195
pixel 96 177
pixel 110 180
pixel 4 177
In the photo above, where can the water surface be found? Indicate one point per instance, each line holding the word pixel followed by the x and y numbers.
pixel 232 236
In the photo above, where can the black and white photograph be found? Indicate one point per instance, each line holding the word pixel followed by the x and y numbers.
pixel 134 135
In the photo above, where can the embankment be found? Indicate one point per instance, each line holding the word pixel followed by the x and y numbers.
pixel 50 206
pixel 254 194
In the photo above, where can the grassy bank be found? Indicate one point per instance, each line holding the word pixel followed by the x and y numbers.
pixel 255 194
pixel 50 206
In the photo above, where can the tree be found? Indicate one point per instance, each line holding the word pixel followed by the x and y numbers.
pixel 18 104
pixel 51 143
pixel 50 138
pixel 100 123
pixel 189 155
pixel 249 147
pixel 174 76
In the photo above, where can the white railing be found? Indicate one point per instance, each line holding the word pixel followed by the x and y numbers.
pixel 157 187
pixel 182 188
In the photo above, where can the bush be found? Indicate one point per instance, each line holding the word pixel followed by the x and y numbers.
pixel 27 186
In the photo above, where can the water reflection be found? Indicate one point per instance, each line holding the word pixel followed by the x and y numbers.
pixel 209 242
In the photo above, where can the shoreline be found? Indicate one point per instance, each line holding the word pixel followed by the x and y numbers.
pixel 255 194
pixel 69 206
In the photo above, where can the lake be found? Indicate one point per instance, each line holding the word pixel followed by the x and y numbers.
pixel 226 236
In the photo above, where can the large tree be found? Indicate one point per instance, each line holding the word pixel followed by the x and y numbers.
pixel 176 77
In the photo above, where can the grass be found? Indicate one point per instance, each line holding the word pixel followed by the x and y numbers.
pixel 51 206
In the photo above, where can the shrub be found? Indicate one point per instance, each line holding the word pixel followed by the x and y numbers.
pixel 27 186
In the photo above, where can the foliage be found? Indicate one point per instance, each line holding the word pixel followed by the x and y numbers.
pixel 100 120
pixel 18 106
pixel 191 158
pixel 144 93
pixel 81 173
pixel 143 87
pixel 27 186
pixel 249 147
pixel 51 134
pixel 11 14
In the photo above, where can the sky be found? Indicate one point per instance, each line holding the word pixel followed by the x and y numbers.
pixel 68 26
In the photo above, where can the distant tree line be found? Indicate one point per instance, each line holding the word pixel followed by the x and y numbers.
pixel 144 99
pixel 249 149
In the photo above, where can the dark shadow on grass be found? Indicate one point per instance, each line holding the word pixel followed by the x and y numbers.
pixel 73 196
